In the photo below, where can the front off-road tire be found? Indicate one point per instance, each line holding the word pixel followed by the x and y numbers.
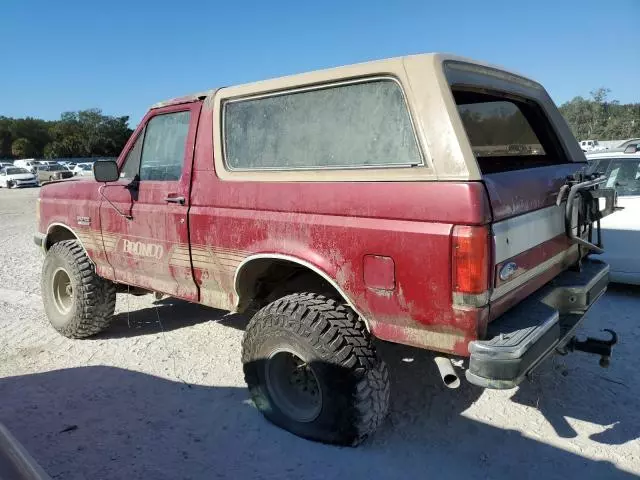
pixel 311 369
pixel 76 300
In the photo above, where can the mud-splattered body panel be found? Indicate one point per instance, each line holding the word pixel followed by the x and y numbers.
pixel 383 237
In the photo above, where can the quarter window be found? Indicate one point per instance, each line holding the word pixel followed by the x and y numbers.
pixel 363 124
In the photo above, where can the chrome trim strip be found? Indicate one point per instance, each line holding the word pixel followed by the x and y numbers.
pixel 304 263
pixel 518 234
pixel 530 274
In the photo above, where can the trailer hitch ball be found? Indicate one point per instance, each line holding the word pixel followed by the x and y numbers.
pixel 596 346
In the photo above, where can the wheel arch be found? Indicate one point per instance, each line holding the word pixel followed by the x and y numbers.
pixel 254 267
pixel 58 232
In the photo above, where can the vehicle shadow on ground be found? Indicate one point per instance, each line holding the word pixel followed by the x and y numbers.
pixel 576 386
pixel 563 387
pixel 166 315
pixel 105 422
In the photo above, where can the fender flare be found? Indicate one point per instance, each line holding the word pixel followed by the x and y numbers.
pixel 73 232
pixel 303 263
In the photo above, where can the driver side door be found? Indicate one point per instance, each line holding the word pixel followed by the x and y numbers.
pixel 144 221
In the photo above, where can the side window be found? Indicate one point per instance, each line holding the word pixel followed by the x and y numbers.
pixel 625 176
pixel 364 124
pixel 131 166
pixel 164 145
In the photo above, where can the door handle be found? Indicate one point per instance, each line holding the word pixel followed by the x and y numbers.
pixel 178 200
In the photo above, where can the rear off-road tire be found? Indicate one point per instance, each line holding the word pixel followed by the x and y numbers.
pixel 76 300
pixel 312 369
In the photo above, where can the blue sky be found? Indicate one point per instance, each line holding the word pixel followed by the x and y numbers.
pixel 122 55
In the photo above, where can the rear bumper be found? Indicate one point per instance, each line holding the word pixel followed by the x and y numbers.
pixel 522 338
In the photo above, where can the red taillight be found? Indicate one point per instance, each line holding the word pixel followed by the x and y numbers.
pixel 470 258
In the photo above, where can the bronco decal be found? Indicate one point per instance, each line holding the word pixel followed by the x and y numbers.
pixel 139 249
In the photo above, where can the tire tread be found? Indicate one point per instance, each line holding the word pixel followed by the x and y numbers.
pixel 340 337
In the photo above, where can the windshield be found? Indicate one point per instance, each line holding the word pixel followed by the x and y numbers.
pixel 85 167
pixel 16 171
pixel 55 168
pixel 624 175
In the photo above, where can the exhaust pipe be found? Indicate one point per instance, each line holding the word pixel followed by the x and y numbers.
pixel 448 374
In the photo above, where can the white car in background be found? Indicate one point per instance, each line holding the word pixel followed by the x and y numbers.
pixel 621 231
pixel 589 145
pixel 16 177
pixel 26 163
pixel 83 169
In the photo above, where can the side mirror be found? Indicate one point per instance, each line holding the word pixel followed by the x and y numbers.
pixel 105 171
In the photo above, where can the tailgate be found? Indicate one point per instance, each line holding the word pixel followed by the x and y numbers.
pixel 530 165
pixel 532 246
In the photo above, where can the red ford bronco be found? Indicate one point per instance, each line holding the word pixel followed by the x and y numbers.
pixel 426 200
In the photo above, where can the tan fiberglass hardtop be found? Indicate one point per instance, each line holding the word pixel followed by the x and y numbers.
pixel 426 81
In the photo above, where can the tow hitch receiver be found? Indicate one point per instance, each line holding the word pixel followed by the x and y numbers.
pixel 593 345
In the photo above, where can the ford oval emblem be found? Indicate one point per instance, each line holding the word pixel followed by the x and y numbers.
pixel 507 271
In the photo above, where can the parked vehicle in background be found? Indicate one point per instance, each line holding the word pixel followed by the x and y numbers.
pixel 627 143
pixel 83 169
pixel 49 173
pixel 28 163
pixel 632 148
pixel 588 145
pixel 426 200
pixel 17 177
pixel 621 232
pixel 66 166
pixel 5 164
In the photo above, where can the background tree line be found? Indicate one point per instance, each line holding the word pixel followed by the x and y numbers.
pixel 86 133
pixel 599 118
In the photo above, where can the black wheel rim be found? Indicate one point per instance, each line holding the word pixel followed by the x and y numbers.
pixel 293 386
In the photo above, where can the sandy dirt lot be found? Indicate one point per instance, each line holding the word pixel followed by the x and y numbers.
pixel 167 400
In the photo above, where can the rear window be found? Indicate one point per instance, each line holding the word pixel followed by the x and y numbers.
pixel 507 134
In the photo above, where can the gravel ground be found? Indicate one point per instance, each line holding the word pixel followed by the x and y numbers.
pixel 166 400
